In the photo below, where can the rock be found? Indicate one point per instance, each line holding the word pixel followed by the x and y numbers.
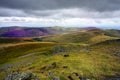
pixel 51 66
pixel 80 78
pixel 56 78
pixel 65 66
pixel 70 78
pixel 66 55
pixel 46 68
pixel 12 76
pixel 76 74
pixel 26 75
pixel 43 68
pixel 83 78
pixel 117 53
pixel 54 64
pixel 112 77
pixel 21 76
pixel 49 73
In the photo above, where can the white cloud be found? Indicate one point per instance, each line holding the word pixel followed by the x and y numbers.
pixel 77 22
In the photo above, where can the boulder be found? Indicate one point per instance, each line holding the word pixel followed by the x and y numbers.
pixel 21 76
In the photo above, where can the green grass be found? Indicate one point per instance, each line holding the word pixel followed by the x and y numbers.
pixel 114 33
pixel 14 40
pixel 94 64
pixel 21 49
pixel 89 37
pixel 91 54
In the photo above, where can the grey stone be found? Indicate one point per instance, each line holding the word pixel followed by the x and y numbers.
pixel 21 76
pixel 56 78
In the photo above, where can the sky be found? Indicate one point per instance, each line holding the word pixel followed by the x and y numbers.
pixel 68 13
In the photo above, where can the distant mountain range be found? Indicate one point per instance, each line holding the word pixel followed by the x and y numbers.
pixel 23 32
pixel 90 28
pixel 17 31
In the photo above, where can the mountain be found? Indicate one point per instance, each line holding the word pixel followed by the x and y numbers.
pixel 23 32
pixel 17 31
pixel 88 37
pixel 90 28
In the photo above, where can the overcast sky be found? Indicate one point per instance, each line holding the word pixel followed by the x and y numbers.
pixel 78 13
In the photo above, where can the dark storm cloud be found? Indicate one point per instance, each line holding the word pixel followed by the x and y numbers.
pixel 5 12
pixel 99 5
pixel 60 8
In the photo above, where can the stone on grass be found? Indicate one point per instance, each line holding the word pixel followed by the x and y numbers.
pixel 21 76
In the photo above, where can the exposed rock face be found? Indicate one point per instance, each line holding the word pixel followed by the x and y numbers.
pixel 21 76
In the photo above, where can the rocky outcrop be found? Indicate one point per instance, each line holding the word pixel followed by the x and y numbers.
pixel 21 76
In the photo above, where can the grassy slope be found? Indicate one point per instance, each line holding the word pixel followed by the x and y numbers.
pixel 109 46
pixel 93 62
pixel 115 33
pixel 70 37
pixel 7 53
pixel 88 37
pixel 14 40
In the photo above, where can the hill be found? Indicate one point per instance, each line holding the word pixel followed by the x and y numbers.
pixel 88 37
pixel 14 40
pixel 90 28
pixel 23 32
pixel 112 32
pixel 78 54
pixel 62 60
pixel 107 46
pixel 16 31
pixel 19 49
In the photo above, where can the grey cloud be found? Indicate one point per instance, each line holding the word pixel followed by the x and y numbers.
pixel 75 13
pixel 60 8
pixel 42 13
pixel 59 13
pixel 98 5
pixel 5 12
